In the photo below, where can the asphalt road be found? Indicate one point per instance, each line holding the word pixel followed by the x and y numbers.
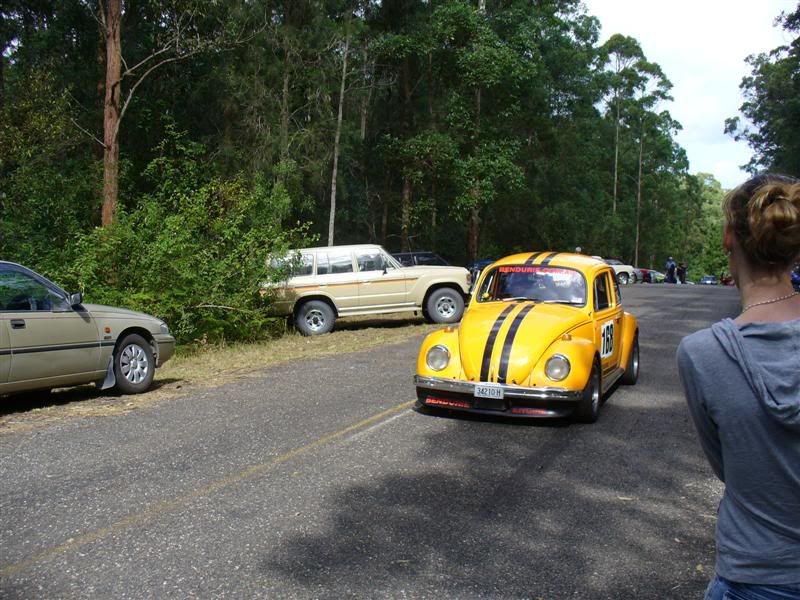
pixel 315 479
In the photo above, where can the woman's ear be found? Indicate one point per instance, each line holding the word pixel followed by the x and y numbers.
pixel 728 239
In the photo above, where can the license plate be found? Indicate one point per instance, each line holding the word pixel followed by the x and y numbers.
pixel 489 391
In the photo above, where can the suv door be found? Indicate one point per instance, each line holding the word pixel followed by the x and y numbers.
pixel 50 342
pixel 607 320
pixel 336 277
pixel 380 283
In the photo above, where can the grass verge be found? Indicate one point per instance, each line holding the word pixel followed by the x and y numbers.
pixel 204 367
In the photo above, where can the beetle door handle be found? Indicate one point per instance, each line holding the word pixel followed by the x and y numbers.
pixel 17 323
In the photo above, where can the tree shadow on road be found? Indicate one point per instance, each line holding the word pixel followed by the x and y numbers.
pixel 509 511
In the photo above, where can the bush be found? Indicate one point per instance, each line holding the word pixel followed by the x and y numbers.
pixel 193 252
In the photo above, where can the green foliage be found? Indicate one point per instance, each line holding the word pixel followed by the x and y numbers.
pixel 464 131
pixel 772 105
pixel 194 251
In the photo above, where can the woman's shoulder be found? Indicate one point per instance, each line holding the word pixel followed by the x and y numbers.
pixel 697 342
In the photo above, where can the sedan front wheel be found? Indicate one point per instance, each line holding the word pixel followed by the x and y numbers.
pixel 134 366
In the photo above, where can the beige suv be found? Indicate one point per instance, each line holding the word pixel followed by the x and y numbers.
pixel 336 281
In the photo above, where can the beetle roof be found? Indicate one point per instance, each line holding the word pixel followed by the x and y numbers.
pixel 582 262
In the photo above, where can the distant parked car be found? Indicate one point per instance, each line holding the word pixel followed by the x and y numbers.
pixel 50 338
pixel 477 266
pixel 625 273
pixel 708 280
pixel 421 257
pixel 796 278
pixel 653 276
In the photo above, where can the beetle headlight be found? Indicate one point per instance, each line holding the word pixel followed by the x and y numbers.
pixel 164 327
pixel 557 367
pixel 437 358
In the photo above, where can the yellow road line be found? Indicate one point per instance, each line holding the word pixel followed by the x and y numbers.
pixel 168 505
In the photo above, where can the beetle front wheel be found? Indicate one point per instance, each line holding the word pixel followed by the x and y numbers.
pixel 588 409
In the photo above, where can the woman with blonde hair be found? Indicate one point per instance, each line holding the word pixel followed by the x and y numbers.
pixel 742 384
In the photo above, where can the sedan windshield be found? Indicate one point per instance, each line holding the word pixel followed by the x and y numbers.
pixel 531 282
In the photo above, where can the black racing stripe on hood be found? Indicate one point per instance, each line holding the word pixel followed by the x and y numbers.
pixel 532 258
pixel 502 373
pixel 549 258
pixel 487 351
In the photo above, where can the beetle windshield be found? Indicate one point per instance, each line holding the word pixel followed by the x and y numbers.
pixel 533 282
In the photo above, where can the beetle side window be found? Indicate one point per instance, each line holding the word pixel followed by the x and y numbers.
pixel 601 293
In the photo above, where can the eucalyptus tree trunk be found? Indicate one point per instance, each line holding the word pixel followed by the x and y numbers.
pixel 405 201
pixel 616 160
pixel 111 111
pixel 639 198
pixel 336 140
pixel 284 132
pixel 405 215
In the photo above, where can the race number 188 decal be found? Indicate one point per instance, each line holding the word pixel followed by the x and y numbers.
pixel 607 339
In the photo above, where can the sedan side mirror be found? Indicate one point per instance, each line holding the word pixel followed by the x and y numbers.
pixel 75 299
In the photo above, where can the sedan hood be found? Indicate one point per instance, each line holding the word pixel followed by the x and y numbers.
pixel 113 311
pixel 503 341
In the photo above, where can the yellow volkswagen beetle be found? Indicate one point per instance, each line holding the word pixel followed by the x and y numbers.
pixel 544 335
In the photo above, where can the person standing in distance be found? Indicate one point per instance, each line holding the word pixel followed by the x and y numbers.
pixel 670 268
pixel 742 383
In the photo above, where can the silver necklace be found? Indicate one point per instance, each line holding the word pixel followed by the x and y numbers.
pixel 786 297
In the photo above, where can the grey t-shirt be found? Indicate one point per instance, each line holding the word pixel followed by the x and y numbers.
pixel 742 385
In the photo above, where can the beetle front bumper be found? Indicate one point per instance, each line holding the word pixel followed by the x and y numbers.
pixel 454 394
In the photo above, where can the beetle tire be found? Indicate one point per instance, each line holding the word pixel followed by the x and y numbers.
pixel 134 364
pixel 314 317
pixel 631 373
pixel 588 409
pixel 445 305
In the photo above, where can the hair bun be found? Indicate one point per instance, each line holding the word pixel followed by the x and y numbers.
pixel 774 222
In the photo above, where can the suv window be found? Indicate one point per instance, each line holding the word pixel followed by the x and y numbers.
pixel 339 261
pixel 305 266
pixel 371 260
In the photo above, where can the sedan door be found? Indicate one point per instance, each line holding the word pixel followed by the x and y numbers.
pixel 51 343
pixel 5 351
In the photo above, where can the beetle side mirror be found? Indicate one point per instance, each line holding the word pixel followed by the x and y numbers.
pixel 75 299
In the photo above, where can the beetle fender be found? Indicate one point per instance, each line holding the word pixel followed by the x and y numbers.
pixel 447 337
pixel 629 330
pixel 579 351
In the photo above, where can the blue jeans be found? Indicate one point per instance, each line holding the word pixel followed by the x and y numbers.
pixel 722 589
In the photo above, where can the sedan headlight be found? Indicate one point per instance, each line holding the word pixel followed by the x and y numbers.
pixel 557 367
pixel 164 327
pixel 437 358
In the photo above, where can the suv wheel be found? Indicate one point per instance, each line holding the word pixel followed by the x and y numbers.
pixel 445 305
pixel 314 317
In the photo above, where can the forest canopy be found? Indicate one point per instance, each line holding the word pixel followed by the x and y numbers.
pixel 154 153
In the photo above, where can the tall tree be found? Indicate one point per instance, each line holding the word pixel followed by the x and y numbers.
pixel 772 105
pixel 178 34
